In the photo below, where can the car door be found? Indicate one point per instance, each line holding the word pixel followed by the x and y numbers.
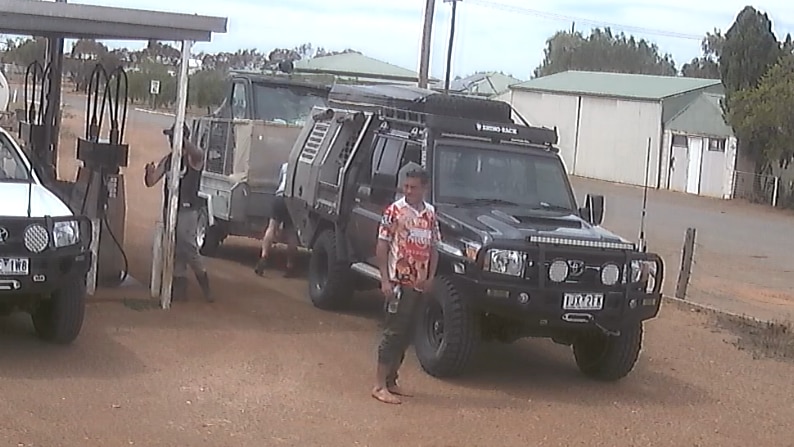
pixel 367 212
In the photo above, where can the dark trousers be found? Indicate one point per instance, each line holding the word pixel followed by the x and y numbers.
pixel 398 331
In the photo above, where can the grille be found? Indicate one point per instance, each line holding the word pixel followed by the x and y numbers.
pixel 15 242
pixel 583 270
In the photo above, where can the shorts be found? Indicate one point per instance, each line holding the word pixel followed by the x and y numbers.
pixel 279 213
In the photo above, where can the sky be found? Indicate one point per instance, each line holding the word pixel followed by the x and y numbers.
pixel 491 35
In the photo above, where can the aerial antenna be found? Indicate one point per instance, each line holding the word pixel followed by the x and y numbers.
pixel 643 242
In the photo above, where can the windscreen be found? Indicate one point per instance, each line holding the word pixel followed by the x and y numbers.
pixel 466 175
pixel 12 168
pixel 285 104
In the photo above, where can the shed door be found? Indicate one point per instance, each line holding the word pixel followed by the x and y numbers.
pixel 695 165
pixel 678 163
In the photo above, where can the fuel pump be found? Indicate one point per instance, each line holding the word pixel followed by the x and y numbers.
pixel 99 192
pixel 32 127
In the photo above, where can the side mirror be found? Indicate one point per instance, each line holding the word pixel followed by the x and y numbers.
pixel 593 209
pixel 382 190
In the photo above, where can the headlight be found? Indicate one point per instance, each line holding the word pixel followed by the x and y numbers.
pixel 506 262
pixel 36 238
pixel 641 270
pixel 65 233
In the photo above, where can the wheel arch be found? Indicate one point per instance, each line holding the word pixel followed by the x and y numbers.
pixel 207 198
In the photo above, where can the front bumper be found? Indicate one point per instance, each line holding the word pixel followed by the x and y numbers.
pixel 46 274
pixel 48 270
pixel 541 305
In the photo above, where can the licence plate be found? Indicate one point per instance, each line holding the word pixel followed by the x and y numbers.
pixel 14 266
pixel 583 301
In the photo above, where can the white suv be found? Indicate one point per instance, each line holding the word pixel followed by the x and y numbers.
pixel 44 250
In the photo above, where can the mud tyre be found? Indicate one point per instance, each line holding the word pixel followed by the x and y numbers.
pixel 447 331
pixel 608 358
pixel 59 319
pixel 329 277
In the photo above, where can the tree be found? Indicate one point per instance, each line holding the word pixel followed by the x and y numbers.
pixel 603 51
pixel 26 51
pixel 749 50
pixel 765 113
pixel 706 66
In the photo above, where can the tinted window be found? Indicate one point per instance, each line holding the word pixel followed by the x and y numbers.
pixel 463 174
pixel 12 168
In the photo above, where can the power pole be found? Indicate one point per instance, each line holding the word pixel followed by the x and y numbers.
pixel 427 31
pixel 451 42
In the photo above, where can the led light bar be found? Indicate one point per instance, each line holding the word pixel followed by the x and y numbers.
pixel 582 243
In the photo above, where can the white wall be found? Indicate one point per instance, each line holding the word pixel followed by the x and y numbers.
pixel 549 110
pixel 612 134
pixel 613 140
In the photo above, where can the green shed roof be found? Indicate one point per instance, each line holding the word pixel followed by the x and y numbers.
pixel 620 85
pixel 703 116
pixel 355 65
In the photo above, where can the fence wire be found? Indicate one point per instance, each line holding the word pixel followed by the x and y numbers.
pixel 756 188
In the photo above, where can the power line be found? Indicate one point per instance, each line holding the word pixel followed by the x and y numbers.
pixel 567 18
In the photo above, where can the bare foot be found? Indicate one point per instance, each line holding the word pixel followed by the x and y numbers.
pixel 383 395
pixel 399 391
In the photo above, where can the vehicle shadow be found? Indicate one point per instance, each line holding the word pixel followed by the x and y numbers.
pixel 94 354
pixel 541 370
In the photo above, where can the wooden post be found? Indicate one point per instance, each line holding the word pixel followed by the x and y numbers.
pixel 687 258
pixel 424 52
pixel 169 233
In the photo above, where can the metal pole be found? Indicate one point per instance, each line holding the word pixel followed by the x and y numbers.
pixel 451 42
pixel 424 56
pixel 169 235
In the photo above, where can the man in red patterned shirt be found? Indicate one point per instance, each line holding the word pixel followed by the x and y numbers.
pixel 407 258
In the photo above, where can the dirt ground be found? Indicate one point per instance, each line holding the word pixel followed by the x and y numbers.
pixel 262 367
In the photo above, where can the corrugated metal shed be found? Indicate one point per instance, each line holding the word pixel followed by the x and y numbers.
pixel 616 85
pixel 703 116
pixel 482 84
pixel 354 65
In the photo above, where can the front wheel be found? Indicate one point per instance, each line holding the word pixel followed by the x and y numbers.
pixel 607 357
pixel 59 319
pixel 329 277
pixel 447 331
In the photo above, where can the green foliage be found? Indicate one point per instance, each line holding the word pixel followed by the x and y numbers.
pixel 749 51
pixel 750 48
pixel 603 51
pixel 765 113
pixel 706 66
pixel 24 52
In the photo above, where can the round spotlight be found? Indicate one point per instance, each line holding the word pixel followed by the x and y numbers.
pixel 36 238
pixel 610 274
pixel 558 270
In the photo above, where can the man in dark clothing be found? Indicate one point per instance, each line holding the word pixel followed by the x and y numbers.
pixel 189 203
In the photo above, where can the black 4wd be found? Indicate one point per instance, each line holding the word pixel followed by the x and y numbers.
pixel 519 257
pixel 44 250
